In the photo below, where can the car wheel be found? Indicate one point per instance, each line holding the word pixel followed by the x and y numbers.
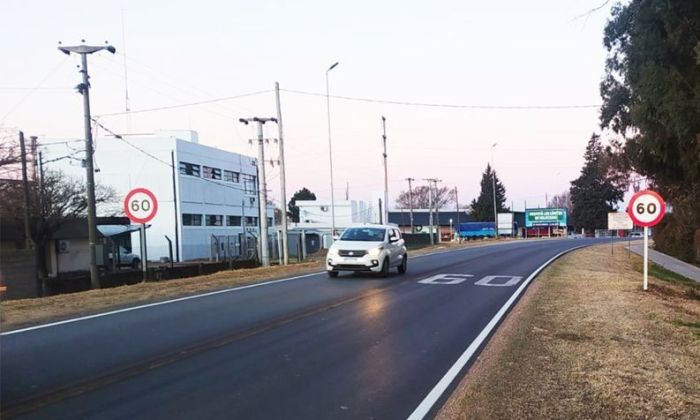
pixel 332 274
pixel 404 264
pixel 135 263
pixel 385 268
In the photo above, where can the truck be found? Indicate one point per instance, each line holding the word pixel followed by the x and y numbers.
pixel 476 230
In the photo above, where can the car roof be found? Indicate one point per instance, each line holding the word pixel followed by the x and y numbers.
pixel 372 225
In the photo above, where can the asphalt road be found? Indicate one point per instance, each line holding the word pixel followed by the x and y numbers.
pixel 308 347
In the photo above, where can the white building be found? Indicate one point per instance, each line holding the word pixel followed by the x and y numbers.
pixel 215 189
pixel 316 214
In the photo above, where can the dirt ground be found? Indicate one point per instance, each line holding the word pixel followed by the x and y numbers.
pixel 586 342
pixel 26 312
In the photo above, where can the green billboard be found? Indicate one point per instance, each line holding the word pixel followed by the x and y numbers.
pixel 545 217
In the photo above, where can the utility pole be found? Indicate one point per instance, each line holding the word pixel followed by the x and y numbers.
pixel 431 203
pixel 84 89
pixel 177 214
pixel 283 182
pixel 25 185
pixel 457 204
pixel 410 202
pixel 330 149
pixel 386 176
pixel 493 182
pixel 262 190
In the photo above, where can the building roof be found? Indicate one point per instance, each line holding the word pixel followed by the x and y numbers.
pixel 77 228
pixel 422 218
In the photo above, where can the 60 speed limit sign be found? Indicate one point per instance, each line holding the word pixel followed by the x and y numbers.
pixel 140 205
pixel 646 208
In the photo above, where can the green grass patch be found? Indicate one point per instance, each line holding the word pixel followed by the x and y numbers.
pixel 694 326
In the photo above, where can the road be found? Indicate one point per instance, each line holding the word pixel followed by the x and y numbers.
pixel 307 347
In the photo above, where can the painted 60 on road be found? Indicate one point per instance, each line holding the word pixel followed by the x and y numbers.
pixel 140 205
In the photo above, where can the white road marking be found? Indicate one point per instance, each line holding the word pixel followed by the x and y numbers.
pixel 434 395
pixel 149 305
pixel 487 281
pixel 446 279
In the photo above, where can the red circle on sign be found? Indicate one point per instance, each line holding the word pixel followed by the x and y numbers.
pixel 635 200
pixel 153 208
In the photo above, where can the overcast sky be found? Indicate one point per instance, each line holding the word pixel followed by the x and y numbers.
pixel 477 53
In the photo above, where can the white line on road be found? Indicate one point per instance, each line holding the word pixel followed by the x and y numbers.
pixel 165 302
pixel 216 292
pixel 434 395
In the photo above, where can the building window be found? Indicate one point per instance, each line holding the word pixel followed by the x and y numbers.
pixel 191 219
pixel 189 169
pixel 211 173
pixel 248 183
pixel 230 176
pixel 269 221
pixel 215 220
pixel 233 220
pixel 251 221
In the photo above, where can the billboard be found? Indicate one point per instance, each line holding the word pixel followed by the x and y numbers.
pixel 545 217
pixel 505 223
pixel 619 221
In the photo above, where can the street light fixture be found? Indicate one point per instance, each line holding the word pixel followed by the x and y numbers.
pixel 493 180
pixel 330 148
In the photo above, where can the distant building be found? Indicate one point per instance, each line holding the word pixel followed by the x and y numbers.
pixel 215 190
pixel 317 214
pixel 421 220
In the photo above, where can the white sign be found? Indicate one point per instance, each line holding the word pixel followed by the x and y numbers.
pixel 505 223
pixel 619 220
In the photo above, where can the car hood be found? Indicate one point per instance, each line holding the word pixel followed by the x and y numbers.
pixel 359 245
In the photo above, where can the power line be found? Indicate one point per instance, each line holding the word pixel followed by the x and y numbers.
pixel 438 105
pixel 184 105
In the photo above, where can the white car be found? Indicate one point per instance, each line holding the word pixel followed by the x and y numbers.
pixel 369 248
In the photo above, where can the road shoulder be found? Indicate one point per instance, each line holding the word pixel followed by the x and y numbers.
pixel 586 342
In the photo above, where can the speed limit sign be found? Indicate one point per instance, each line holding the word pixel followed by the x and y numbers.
pixel 646 208
pixel 140 205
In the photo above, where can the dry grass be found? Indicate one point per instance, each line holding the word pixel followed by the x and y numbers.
pixel 587 342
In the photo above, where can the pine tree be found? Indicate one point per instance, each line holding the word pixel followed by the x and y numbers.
pixel 594 194
pixel 292 208
pixel 482 207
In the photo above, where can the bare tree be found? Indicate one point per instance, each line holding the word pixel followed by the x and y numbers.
pixel 561 201
pixel 54 199
pixel 441 197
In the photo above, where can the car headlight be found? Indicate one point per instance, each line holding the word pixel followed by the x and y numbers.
pixel 332 251
pixel 374 252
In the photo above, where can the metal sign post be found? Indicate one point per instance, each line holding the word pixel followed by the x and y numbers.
pixel 141 206
pixel 646 209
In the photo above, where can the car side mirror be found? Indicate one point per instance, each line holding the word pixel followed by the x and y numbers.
pixel 393 239
pixel 336 237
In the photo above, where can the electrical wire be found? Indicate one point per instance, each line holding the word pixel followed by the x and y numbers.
pixel 438 105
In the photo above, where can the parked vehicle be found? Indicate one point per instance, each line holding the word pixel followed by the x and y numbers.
pixel 126 259
pixel 369 248
pixel 476 230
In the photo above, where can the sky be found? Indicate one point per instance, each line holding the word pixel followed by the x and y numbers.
pixel 474 53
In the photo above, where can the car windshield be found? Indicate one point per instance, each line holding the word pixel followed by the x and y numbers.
pixel 363 234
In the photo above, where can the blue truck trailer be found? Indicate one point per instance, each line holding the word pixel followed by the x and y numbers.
pixel 476 230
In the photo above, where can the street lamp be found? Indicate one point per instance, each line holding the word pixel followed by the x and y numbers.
pixel 452 233
pixel 493 179
pixel 330 149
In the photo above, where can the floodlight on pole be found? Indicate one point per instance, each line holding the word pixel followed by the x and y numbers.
pixel 84 89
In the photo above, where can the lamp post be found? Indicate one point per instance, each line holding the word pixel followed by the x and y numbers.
pixel 84 89
pixel 452 234
pixel 493 180
pixel 330 148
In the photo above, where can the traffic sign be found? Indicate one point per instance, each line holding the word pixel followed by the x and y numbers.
pixel 140 205
pixel 646 208
pixel 619 221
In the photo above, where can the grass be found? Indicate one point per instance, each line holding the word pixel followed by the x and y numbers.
pixel 586 342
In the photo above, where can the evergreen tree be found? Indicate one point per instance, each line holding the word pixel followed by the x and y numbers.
pixel 594 193
pixel 292 208
pixel 482 206
pixel 651 97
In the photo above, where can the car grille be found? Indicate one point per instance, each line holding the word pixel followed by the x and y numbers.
pixel 351 253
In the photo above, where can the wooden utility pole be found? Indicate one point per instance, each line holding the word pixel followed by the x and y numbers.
pixel 25 186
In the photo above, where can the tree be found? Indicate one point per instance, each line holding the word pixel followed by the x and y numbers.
pixel 595 192
pixel 54 199
pixel 292 209
pixel 482 206
pixel 651 98
pixel 561 201
pixel 421 199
